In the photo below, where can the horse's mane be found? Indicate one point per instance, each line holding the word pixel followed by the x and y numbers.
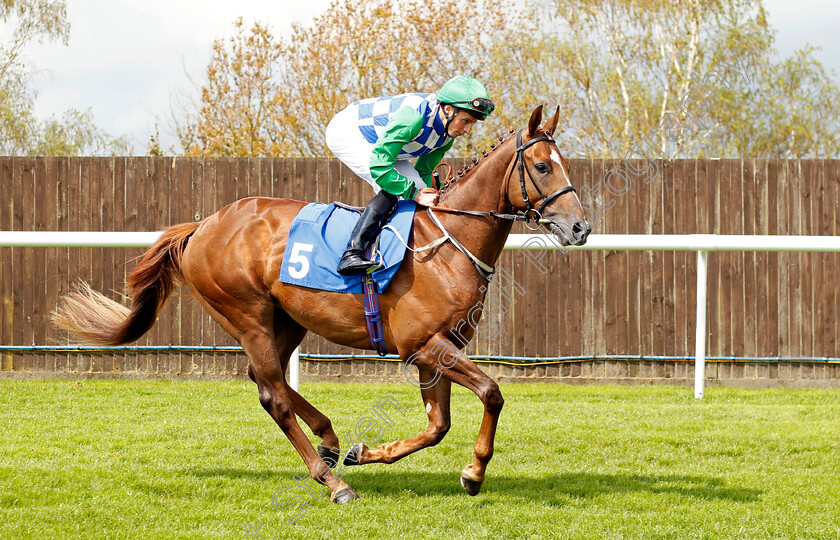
pixel 467 171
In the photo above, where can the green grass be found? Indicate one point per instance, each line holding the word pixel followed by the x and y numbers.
pixel 161 459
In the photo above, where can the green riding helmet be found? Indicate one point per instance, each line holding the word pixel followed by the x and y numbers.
pixel 466 93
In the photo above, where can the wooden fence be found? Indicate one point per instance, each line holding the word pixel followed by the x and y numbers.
pixel 588 303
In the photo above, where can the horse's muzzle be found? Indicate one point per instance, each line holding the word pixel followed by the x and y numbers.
pixel 576 236
pixel 580 232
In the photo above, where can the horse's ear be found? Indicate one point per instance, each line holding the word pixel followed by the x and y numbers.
pixel 534 122
pixel 551 125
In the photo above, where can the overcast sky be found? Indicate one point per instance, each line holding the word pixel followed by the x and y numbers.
pixel 126 58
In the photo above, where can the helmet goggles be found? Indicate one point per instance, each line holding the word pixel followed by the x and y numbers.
pixel 479 105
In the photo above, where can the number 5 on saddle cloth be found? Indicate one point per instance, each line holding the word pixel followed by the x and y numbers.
pixel 317 239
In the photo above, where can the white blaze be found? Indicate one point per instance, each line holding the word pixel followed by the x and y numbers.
pixel 555 157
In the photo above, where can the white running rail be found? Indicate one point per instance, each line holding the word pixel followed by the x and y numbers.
pixel 701 243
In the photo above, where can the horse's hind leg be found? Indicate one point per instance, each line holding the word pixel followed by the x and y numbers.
pixel 276 400
pixel 288 335
pixel 317 421
pixel 436 400
pixel 255 329
pixel 320 425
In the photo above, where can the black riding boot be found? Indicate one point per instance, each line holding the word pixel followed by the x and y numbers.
pixel 353 261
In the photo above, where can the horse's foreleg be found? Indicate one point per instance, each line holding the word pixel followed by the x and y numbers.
pixel 436 401
pixel 441 355
pixel 473 474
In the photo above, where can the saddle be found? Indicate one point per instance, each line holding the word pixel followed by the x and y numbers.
pixel 318 237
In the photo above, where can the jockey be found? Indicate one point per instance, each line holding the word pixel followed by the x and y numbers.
pixel 376 138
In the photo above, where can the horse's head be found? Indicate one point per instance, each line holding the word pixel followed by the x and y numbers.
pixel 544 190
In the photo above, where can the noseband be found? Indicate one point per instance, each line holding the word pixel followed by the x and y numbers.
pixel 523 168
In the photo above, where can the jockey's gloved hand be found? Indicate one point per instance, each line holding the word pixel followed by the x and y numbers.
pixel 426 197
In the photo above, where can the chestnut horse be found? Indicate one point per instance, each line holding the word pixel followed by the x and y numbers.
pixel 232 260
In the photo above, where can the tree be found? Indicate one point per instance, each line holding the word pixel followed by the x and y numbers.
pixel 20 132
pixel 792 113
pixel 30 20
pixel 622 67
pixel 622 71
pixel 34 20
pixel 74 134
pixel 262 96
pixel 241 111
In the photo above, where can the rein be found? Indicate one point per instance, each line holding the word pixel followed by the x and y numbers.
pixel 485 269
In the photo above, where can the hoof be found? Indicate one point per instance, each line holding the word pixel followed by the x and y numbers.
pixel 354 454
pixel 470 486
pixel 345 496
pixel 328 455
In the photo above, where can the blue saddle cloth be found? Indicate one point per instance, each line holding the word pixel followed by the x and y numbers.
pixel 319 236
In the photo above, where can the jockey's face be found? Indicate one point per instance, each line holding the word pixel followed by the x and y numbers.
pixel 462 124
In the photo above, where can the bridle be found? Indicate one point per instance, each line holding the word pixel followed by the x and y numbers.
pixel 518 162
pixel 523 168
pixel 484 269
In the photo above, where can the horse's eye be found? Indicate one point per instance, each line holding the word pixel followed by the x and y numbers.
pixel 542 168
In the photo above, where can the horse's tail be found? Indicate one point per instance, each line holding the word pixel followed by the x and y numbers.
pixel 95 318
